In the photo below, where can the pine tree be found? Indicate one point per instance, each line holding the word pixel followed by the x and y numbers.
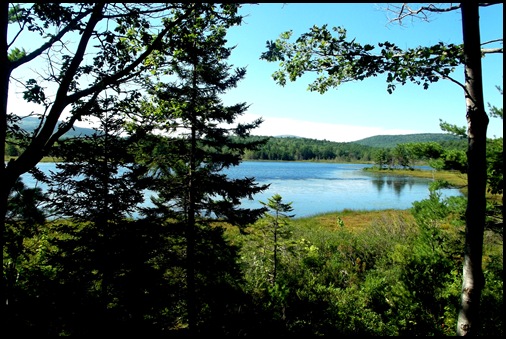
pixel 199 141
pixel 276 220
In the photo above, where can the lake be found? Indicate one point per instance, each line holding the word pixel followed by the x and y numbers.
pixel 315 188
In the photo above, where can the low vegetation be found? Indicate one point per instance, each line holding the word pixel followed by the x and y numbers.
pixel 390 272
pixel 394 272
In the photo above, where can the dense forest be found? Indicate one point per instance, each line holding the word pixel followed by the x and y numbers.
pixel 295 148
pixel 390 141
pixel 84 256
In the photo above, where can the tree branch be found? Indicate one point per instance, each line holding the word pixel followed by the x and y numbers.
pixel 30 56
pixel 129 69
pixel 491 41
pixel 70 123
pixel 491 50
pixel 403 11
pixel 452 80
pixel 62 100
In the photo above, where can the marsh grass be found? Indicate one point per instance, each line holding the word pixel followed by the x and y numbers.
pixel 352 220
pixel 453 177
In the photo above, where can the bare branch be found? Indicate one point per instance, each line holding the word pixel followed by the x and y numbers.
pixel 403 11
pixel 491 50
pixel 486 4
pixel 491 41
pixel 452 80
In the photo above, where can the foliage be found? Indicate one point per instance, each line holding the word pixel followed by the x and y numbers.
pixel 495 155
pixel 440 157
pixel 382 158
pixel 24 204
pixel 275 231
pixel 75 280
pixel 297 149
pixel 390 141
pixel 394 277
pixel 23 221
pixel 337 60
pixel 97 179
pixel 199 138
pixel 495 167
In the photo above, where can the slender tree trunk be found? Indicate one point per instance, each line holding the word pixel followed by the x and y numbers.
pixel 5 184
pixel 190 241
pixel 276 226
pixel 477 119
pixel 191 227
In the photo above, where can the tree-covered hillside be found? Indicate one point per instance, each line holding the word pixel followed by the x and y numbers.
pixel 390 141
pixel 296 148
pixel 291 148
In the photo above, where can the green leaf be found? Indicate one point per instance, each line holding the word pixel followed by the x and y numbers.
pixel 15 54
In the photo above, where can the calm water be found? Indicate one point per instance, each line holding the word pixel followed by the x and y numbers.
pixel 326 187
pixel 323 187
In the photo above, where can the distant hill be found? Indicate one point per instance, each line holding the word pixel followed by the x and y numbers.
pixel 382 141
pixel 390 141
pixel 30 123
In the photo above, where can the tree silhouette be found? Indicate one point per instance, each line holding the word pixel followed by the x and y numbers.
pixel 198 140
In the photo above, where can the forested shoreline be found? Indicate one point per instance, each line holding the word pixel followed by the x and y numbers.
pixel 294 148
pixel 305 149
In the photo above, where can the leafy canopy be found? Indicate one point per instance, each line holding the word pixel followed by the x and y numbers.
pixel 337 60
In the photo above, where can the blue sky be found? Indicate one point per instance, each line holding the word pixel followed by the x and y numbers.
pixel 360 109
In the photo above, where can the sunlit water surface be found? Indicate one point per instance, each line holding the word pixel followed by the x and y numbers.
pixel 315 188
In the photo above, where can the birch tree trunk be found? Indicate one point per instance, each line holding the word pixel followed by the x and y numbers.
pixel 477 120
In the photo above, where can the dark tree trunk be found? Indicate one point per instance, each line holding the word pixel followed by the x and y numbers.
pixel 477 120
pixel 5 185
pixel 191 224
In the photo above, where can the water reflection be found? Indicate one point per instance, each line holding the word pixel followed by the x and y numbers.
pixel 379 183
pixel 397 184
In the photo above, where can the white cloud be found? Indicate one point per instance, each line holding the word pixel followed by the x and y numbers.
pixel 316 130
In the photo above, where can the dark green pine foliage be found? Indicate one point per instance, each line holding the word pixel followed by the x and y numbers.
pixel 97 180
pixel 275 224
pixel 100 250
pixel 201 139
